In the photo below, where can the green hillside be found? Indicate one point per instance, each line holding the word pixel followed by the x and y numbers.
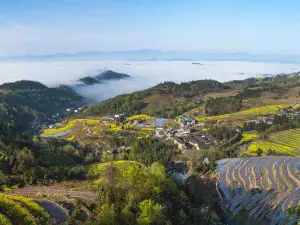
pixel 204 97
pixel 23 101
pixel 136 102
pixel 20 210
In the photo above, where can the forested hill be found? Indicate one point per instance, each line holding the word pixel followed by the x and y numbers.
pixel 206 97
pixel 167 93
pixel 23 101
pixel 102 77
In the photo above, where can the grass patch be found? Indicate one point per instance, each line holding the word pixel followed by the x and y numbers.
pixel 66 127
pixel 259 111
pixel 148 128
pixel 248 136
pixel 71 138
pixel 139 116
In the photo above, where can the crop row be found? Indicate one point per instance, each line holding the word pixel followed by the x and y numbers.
pixel 259 111
pixel 284 143
pixel 69 125
pixel 56 158
pixel 266 186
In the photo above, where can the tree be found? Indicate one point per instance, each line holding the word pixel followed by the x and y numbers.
pixel 158 170
pixel 35 139
pixel 25 159
pixel 106 214
pixel 259 152
pixel 151 213
pixel 29 176
pixel 3 178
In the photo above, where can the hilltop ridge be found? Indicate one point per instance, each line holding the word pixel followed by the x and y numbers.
pixel 102 77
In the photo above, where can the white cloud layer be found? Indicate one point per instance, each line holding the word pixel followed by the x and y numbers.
pixel 144 74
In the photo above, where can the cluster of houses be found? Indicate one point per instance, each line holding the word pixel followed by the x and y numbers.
pixel 198 141
pixel 266 120
pixel 119 150
pixel 186 120
pixel 69 110
pixel 186 137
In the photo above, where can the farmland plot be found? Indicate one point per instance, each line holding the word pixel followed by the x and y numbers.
pixel 281 143
pixel 267 187
pixel 250 113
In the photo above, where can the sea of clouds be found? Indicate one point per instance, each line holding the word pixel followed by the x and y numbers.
pixel 144 73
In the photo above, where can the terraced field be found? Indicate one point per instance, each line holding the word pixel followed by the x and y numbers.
pixel 72 126
pixel 248 136
pixel 56 158
pixel 79 129
pixel 139 116
pixel 282 143
pixel 259 111
pixel 266 187
pixel 20 210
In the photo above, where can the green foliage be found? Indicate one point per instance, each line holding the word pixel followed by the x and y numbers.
pixel 151 213
pixel 55 158
pixel 3 178
pixel 222 105
pixel 294 211
pixel 15 212
pixel 25 159
pixel 20 210
pixel 23 101
pixel 39 212
pixel 77 172
pixel 29 176
pixel 149 151
pixel 135 102
pixel 132 193
pixel 4 220
pixel 89 80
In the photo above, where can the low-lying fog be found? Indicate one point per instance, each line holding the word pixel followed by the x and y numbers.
pixel 144 73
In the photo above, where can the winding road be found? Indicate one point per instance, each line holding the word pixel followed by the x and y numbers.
pixel 42 194
pixel 55 210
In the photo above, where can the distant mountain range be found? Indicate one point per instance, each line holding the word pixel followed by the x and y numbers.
pixel 102 77
pixel 156 55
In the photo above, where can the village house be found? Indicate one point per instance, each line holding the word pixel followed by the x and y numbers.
pixel 159 133
pixel 138 121
pixel 187 120
pixel 256 121
pixel 193 142
pixel 123 149
pixel 180 143
pixel 238 129
pixel 206 161
pixel 201 124
pixel 268 121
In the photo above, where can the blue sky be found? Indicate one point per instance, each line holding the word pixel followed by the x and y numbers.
pixel 45 27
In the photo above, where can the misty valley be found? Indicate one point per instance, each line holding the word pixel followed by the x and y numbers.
pixel 153 112
pixel 196 152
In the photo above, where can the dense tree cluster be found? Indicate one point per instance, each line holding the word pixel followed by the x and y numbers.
pixel 23 101
pixel 135 194
pixel 134 103
pixel 280 123
pixel 218 106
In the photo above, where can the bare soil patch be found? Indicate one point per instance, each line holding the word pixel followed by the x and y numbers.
pixel 221 94
pixel 156 101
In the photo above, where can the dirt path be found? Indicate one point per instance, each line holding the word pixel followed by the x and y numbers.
pixel 48 192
